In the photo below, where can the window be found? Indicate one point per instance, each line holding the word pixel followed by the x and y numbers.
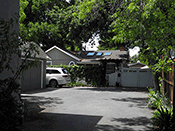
pixel 49 62
pixel 99 54
pixel 55 72
pixel 48 71
pixel 52 72
pixel 64 71
pixel 90 53
pixel 107 53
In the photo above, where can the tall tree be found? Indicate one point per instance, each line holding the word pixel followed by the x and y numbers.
pixel 149 25
pixel 97 19
pixel 36 25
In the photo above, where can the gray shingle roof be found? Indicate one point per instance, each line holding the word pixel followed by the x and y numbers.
pixel 115 55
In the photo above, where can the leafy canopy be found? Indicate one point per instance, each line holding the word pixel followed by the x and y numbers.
pixel 149 25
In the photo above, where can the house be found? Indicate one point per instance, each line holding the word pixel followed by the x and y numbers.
pixel 60 56
pixel 112 60
pixel 116 69
pixel 34 77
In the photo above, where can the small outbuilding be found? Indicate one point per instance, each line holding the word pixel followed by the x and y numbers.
pixel 35 76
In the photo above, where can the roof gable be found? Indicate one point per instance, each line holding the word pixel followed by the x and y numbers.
pixel 39 53
pixel 59 49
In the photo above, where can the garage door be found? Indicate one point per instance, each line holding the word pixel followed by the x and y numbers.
pixel 136 78
pixel 31 79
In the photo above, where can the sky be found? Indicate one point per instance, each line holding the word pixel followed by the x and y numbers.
pixel 93 46
pixel 134 51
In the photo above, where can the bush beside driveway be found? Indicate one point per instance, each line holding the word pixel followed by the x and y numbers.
pixel 87 109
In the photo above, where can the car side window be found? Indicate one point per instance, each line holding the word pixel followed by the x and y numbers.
pixel 55 72
pixel 48 71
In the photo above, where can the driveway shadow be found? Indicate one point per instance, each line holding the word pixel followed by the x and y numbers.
pixel 116 89
pixel 62 122
pixel 36 120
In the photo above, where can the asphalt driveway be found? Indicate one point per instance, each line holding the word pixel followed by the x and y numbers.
pixel 87 109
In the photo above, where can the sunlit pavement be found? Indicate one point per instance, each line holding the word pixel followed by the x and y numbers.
pixel 88 109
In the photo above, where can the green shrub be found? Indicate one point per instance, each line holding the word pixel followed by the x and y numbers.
pixel 10 112
pixel 163 115
pixel 156 100
pixel 162 119
pixel 76 84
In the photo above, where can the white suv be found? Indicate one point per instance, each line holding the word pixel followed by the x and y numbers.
pixel 57 77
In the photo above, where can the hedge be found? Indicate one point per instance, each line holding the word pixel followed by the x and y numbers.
pixel 92 74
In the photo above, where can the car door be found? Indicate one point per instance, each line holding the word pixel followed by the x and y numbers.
pixel 66 75
pixel 56 74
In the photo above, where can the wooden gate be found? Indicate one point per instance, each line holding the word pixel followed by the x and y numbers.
pixel 136 77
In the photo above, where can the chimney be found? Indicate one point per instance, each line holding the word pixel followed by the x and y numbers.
pixel 122 48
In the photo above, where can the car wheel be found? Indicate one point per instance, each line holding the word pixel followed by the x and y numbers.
pixel 53 83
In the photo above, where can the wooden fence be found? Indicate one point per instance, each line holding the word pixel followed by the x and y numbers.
pixel 168 83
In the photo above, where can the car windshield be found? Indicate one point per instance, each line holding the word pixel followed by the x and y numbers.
pixel 64 71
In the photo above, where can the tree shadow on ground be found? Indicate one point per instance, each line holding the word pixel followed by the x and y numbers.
pixel 127 124
pixel 39 90
pixel 42 101
pixel 116 89
pixel 135 121
pixel 34 105
pixel 48 89
pixel 140 102
pixel 112 128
